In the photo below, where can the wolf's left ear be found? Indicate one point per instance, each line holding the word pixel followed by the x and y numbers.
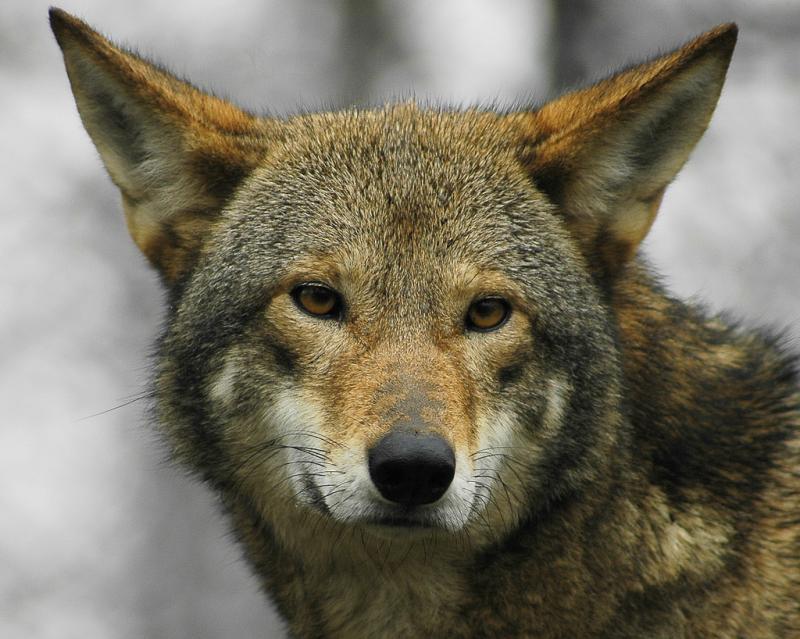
pixel 175 153
pixel 604 155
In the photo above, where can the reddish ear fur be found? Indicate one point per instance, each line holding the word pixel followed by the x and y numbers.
pixel 605 154
pixel 175 153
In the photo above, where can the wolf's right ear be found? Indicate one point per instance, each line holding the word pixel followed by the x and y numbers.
pixel 176 153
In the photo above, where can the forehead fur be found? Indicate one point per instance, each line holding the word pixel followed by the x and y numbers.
pixel 389 131
pixel 417 179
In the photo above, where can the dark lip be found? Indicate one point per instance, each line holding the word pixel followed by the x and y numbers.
pixel 400 522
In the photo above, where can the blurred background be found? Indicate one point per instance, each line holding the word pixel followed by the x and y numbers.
pixel 99 537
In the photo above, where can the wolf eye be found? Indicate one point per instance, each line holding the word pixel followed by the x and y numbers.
pixel 318 300
pixel 487 314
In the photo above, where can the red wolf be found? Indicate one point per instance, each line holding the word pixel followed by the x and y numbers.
pixel 415 352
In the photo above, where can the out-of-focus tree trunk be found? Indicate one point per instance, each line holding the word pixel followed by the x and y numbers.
pixel 570 24
pixel 369 46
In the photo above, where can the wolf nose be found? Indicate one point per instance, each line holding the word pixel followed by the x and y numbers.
pixel 412 469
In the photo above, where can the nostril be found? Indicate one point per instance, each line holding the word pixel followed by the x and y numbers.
pixel 412 469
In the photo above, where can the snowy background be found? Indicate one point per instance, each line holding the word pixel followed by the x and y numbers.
pixel 99 538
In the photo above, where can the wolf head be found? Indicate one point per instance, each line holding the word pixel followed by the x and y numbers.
pixel 398 318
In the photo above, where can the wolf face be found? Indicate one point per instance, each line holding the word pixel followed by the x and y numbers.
pixel 400 340
pixel 392 319
pixel 421 335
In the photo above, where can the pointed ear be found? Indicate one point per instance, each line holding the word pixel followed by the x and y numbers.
pixel 176 153
pixel 604 155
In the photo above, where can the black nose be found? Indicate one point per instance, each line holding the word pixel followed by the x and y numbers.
pixel 412 469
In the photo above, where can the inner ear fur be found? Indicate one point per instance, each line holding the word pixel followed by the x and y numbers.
pixel 175 152
pixel 605 154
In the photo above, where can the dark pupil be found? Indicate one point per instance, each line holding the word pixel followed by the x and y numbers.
pixel 486 309
pixel 317 300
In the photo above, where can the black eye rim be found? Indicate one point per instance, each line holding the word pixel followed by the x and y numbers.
pixel 470 326
pixel 335 313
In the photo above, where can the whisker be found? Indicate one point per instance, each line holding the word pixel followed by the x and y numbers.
pixel 127 402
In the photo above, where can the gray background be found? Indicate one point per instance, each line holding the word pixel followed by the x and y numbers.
pixel 99 538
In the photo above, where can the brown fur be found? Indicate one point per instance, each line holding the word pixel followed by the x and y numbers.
pixel 625 465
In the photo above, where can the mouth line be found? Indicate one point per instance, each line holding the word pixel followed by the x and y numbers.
pixel 396 521
pixel 315 497
pixel 400 522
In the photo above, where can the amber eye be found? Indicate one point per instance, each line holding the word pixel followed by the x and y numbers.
pixel 318 300
pixel 487 314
